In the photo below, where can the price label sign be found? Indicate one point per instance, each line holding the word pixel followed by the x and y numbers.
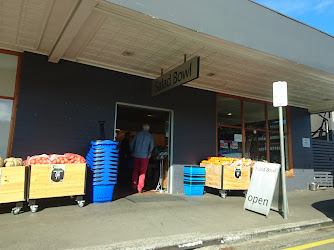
pixel 280 94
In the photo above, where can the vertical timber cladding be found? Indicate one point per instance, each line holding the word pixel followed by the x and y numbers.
pixel 182 74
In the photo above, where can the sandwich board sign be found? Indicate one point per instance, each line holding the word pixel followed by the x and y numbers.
pixel 262 187
pixel 182 74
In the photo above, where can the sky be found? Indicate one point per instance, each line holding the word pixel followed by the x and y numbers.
pixel 316 13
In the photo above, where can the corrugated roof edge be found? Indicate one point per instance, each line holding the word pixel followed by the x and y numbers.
pixel 293 19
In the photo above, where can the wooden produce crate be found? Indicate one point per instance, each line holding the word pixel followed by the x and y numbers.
pixel 12 184
pixel 42 186
pixel 223 177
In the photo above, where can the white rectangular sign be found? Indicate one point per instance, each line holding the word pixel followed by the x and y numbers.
pixel 238 137
pixel 306 142
pixel 262 187
pixel 280 94
pixel 182 74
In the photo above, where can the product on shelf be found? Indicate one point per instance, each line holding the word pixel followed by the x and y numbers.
pixel 13 162
pixel 45 159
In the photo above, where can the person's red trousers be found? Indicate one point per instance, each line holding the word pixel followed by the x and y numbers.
pixel 139 168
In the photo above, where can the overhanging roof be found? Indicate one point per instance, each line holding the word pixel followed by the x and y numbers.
pixel 110 36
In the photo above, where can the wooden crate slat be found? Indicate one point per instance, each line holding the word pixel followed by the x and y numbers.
pixel 41 187
pixel 12 187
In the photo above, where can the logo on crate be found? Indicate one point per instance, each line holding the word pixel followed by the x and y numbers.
pixel 237 173
pixel 57 173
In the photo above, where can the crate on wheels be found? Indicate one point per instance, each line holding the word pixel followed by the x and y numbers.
pixel 102 161
pixel 13 186
pixel 194 180
pixel 56 180
pixel 227 177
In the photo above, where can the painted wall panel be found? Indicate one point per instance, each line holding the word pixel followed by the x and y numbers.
pixel 60 106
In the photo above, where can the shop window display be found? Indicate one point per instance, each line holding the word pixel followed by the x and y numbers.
pixel 229 143
pixel 250 129
pixel 256 145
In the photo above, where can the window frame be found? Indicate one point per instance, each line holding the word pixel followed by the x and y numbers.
pixel 14 99
pixel 289 173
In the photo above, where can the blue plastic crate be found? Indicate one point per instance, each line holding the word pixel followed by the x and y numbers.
pixel 189 181
pixel 103 175
pixel 103 182
pixel 192 170
pixel 97 166
pixel 194 177
pixel 109 172
pixel 103 178
pixel 101 193
pixel 101 160
pixel 103 152
pixel 194 180
pixel 107 182
pixel 104 142
pixel 104 171
pixel 193 190
pixel 101 163
pixel 102 155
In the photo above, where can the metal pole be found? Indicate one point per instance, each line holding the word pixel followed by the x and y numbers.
pixel 281 133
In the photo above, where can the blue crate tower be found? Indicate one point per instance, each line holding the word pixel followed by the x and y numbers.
pixel 102 162
pixel 194 180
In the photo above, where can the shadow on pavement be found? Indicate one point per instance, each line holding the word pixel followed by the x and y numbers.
pixel 326 207
pixel 42 204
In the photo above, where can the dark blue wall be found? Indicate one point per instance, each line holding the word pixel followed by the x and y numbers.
pixel 60 104
pixel 302 157
pixel 301 128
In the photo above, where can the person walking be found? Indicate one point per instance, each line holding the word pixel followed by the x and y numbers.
pixel 141 147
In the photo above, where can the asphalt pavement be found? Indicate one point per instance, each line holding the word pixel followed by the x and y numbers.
pixel 294 241
pixel 157 220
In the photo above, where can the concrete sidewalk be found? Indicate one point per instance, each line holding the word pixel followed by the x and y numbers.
pixel 157 220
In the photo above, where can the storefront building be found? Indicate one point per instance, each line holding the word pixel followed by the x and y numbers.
pixel 77 64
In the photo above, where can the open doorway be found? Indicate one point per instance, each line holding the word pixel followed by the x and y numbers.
pixel 129 120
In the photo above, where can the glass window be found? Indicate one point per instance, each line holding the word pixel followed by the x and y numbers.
pixel 256 142
pixel 256 145
pixel 229 111
pixel 255 116
pixel 275 149
pixel 229 143
pixel 5 117
pixel 273 118
pixel 8 66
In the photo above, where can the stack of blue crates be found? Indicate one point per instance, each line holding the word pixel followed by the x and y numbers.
pixel 102 162
pixel 194 180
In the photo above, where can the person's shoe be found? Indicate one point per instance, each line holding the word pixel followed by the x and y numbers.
pixel 140 191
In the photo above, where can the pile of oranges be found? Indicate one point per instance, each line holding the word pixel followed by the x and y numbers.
pixel 227 161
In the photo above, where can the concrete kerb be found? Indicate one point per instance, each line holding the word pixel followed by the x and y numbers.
pixel 198 240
